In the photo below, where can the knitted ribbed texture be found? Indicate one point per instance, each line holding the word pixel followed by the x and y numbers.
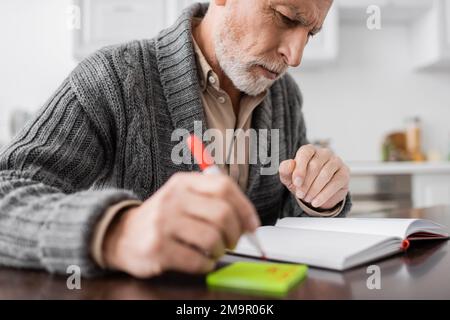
pixel 105 136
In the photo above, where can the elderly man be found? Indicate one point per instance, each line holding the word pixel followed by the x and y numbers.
pixel 91 180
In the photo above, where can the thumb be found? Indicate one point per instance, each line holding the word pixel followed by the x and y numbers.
pixel 286 169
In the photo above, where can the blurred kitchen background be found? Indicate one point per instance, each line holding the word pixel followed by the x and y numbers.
pixel 380 98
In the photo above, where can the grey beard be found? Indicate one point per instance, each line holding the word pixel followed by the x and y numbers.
pixel 238 72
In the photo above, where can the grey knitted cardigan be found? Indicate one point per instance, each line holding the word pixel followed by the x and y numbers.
pixel 105 136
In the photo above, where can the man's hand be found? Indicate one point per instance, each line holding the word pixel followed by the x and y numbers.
pixel 185 226
pixel 316 176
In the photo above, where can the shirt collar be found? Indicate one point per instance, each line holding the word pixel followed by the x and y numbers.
pixel 204 68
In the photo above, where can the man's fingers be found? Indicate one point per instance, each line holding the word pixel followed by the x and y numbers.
pixel 199 234
pixel 225 188
pixel 218 213
pixel 180 257
pixel 285 170
pixel 313 169
pixel 334 200
pixel 302 158
pixel 323 178
pixel 330 189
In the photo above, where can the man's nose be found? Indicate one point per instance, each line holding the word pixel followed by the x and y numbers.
pixel 292 48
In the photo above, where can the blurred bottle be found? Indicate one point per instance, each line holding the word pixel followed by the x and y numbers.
pixel 413 139
pixel 394 147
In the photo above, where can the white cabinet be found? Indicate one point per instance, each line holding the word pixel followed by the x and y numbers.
pixel 428 22
pixel 431 37
pixel 105 22
pixel 323 50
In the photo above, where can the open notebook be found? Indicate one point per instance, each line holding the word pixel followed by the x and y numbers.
pixel 338 243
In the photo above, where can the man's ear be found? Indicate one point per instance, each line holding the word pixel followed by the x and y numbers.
pixel 220 2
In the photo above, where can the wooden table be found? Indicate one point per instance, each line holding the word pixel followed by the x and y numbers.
pixel 421 273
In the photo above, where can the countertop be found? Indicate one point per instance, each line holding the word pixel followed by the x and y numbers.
pixel 390 168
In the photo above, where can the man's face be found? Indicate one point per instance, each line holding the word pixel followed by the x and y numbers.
pixel 256 40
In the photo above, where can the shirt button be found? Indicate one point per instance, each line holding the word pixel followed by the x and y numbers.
pixel 222 100
pixel 212 80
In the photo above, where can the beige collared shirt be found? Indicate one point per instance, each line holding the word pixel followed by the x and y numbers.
pixel 219 115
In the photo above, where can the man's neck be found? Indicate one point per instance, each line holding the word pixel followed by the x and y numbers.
pixel 205 41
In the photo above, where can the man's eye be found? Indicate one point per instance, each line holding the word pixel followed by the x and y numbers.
pixel 287 21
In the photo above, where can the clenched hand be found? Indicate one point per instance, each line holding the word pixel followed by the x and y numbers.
pixel 316 176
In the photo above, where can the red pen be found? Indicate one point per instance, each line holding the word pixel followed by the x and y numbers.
pixel 207 165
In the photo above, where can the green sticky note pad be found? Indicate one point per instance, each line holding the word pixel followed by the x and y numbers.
pixel 273 279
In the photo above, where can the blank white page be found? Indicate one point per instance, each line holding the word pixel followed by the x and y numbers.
pixel 376 226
